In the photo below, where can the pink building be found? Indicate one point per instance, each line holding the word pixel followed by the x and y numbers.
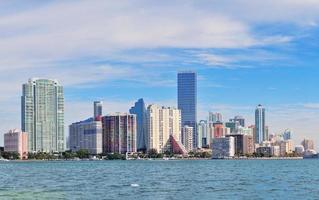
pixel 16 141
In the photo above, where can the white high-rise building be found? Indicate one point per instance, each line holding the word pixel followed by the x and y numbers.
pixel 42 115
pixel 261 132
pixel 187 137
pixel 162 123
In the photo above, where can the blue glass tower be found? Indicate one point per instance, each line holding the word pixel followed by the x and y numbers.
pixel 187 100
pixel 140 111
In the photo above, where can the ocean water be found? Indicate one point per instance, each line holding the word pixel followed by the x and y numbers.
pixel 174 179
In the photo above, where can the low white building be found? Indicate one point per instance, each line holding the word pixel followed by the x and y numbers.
pixel 275 151
pixel 223 147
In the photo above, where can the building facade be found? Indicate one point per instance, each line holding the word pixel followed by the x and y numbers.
pixel 98 109
pixel 119 133
pixel 223 147
pixel 162 122
pixel 215 117
pixel 261 133
pixel 42 116
pixel 308 144
pixel 139 110
pixel 187 100
pixel 86 135
pixel 204 136
pixel 219 130
pixel 187 137
pixel 16 141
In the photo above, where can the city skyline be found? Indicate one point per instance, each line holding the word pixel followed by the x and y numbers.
pixel 264 55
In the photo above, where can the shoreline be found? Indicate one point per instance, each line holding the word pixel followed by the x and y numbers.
pixel 174 159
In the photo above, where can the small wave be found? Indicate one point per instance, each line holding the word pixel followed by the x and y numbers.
pixel 135 185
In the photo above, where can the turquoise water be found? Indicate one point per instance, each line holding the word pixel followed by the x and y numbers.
pixel 205 179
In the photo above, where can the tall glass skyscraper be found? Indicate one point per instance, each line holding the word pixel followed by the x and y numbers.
pixel 42 115
pixel 261 133
pixel 187 100
pixel 139 110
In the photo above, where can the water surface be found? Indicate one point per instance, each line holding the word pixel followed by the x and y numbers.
pixel 200 179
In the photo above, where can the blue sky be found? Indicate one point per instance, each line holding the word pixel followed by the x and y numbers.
pixel 245 52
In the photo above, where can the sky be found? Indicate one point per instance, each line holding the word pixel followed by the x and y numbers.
pixel 246 52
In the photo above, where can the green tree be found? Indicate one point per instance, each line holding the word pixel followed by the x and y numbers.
pixel 152 153
pixel 82 153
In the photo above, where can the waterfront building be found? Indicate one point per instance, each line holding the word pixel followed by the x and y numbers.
pixel 204 134
pixel 218 129
pixel 119 133
pixel 286 147
pixel 261 133
pixel 299 149
pixel 187 100
pixel 223 147
pixel 287 134
pixel 253 128
pixel 162 122
pixel 215 117
pixel 264 151
pixel 98 109
pixel 16 141
pixel 42 115
pixel 275 151
pixel 86 135
pixel 308 144
pixel 139 110
pixel 187 137
pixel 244 144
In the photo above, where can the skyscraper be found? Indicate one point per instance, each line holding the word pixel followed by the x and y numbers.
pixel 140 111
pixel 261 133
pixel 42 115
pixel 162 123
pixel 119 133
pixel 98 109
pixel 187 100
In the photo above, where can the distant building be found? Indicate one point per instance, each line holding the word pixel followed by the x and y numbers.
pixel 286 147
pixel 308 144
pixel 16 141
pixel 219 130
pixel 299 149
pixel 275 151
pixel 232 125
pixel 42 115
pixel 244 144
pixel 119 133
pixel 215 117
pixel 187 137
pixel 187 100
pixel 162 122
pixel 223 147
pixel 139 110
pixel 240 120
pixel 287 135
pixel 261 133
pixel 245 131
pixel 98 109
pixel 86 135
pixel 204 134
pixel 264 151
